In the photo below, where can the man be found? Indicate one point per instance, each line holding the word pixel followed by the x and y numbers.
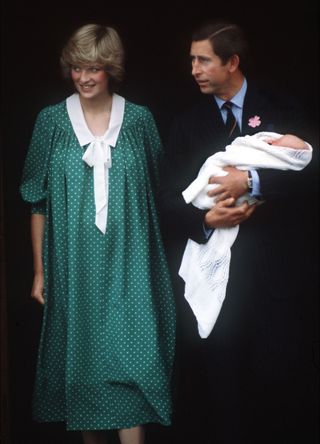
pixel 251 380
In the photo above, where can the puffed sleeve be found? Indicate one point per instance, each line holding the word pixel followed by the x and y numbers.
pixel 34 181
pixel 153 146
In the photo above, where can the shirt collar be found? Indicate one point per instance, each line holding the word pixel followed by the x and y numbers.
pixel 237 99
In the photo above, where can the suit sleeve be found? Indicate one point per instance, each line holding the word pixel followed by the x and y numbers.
pixel 181 219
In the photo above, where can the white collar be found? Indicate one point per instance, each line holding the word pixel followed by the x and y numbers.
pixel 80 126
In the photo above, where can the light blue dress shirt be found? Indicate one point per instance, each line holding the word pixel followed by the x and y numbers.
pixel 237 104
pixel 237 109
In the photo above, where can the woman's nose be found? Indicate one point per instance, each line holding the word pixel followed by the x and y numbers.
pixel 84 75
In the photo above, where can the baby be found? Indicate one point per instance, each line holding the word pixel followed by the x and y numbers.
pixel 205 267
pixel 248 152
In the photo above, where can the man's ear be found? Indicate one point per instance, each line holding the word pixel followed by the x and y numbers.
pixel 234 62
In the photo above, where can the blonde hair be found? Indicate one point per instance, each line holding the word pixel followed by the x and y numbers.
pixel 92 44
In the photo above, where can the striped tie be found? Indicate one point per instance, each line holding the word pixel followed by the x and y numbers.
pixel 232 127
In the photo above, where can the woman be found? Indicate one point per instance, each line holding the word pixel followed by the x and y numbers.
pixel 107 341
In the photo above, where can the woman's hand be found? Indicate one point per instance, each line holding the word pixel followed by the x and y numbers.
pixel 37 291
pixel 37 230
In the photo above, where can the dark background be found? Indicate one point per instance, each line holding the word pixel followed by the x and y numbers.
pixel 284 43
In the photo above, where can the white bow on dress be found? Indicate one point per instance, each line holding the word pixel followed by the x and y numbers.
pixel 98 153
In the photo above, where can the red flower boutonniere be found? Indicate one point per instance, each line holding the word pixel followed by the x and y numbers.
pixel 254 121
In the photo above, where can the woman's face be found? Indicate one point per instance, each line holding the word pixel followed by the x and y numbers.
pixel 91 81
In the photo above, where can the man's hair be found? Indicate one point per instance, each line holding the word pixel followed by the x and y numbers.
pixel 227 39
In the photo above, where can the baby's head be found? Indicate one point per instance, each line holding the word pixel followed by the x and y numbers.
pixel 288 141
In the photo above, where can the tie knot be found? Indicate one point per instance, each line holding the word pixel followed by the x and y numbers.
pixel 227 105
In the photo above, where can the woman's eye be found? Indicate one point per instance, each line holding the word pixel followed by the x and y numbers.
pixel 76 68
pixel 94 69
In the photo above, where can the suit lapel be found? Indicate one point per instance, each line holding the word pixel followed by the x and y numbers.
pixel 210 114
pixel 211 128
pixel 257 108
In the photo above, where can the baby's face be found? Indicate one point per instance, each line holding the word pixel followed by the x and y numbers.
pixel 289 141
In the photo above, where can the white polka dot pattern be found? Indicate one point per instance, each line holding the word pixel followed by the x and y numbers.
pixel 107 341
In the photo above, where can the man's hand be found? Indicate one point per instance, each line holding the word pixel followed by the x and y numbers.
pixel 225 215
pixel 234 184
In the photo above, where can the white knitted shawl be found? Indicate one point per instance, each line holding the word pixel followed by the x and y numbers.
pixel 205 267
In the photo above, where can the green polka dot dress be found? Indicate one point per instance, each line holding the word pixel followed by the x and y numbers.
pixel 107 342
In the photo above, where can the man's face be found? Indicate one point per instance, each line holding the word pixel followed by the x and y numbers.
pixel 207 69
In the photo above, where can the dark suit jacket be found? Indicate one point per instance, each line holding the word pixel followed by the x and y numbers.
pixel 199 132
pixel 263 330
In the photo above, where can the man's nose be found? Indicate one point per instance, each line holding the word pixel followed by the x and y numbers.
pixel 195 67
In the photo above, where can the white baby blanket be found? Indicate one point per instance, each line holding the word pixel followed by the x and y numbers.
pixel 205 267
